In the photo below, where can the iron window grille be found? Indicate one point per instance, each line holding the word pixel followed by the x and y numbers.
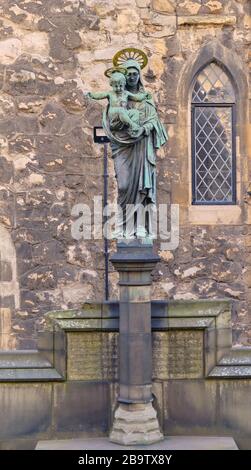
pixel 213 138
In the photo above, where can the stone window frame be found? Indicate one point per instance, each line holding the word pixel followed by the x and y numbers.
pixel 211 214
pixel 9 288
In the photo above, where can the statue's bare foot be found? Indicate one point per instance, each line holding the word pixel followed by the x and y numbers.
pixel 129 236
pixel 141 232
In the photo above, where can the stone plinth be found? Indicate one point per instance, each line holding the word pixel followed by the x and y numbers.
pixel 135 424
pixel 135 420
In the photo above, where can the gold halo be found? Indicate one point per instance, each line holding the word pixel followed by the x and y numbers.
pixel 130 53
pixel 111 70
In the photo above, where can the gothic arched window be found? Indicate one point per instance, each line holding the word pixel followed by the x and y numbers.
pixel 213 138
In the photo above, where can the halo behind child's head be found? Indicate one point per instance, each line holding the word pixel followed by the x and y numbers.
pixel 109 72
pixel 116 74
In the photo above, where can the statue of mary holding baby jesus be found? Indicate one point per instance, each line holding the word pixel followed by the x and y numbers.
pixel 131 122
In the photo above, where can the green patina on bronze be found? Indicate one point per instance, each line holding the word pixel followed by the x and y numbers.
pixel 135 133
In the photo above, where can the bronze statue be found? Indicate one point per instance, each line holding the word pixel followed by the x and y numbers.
pixel 135 135
pixel 118 100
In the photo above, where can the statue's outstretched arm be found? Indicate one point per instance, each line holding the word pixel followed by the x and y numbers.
pixel 98 95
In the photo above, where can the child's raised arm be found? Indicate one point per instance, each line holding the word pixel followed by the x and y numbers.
pixel 98 95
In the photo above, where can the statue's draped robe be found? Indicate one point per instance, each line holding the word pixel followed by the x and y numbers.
pixel 135 158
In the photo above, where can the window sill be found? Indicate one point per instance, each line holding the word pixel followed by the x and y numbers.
pixel 215 215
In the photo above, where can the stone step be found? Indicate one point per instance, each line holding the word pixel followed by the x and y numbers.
pixel 231 372
pixel 169 443
pixel 237 356
pixel 30 375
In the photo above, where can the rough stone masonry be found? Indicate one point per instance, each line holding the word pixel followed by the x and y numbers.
pixel 49 52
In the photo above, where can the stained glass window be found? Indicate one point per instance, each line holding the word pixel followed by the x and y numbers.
pixel 212 140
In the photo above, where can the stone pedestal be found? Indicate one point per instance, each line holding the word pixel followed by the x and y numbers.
pixel 135 420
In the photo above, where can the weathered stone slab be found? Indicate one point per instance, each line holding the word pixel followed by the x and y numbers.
pixel 198 308
pixel 190 407
pixel 231 371
pixel 80 324
pixel 30 375
pixel 170 443
pixel 45 345
pixel 22 359
pixel 81 407
pixel 92 356
pixel 25 409
pixel 60 352
pixel 178 354
pixel 234 406
pixel 18 444
pixel 237 356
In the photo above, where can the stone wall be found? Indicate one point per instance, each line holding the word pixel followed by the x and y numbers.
pixel 50 51
pixel 68 388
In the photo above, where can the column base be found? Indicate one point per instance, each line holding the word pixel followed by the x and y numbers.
pixel 135 424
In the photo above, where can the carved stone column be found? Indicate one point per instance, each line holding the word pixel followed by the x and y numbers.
pixel 135 420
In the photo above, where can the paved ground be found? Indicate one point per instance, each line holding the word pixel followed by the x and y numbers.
pixel 169 443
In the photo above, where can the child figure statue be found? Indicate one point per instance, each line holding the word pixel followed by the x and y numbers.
pixel 118 101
